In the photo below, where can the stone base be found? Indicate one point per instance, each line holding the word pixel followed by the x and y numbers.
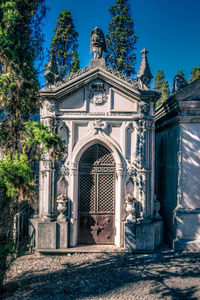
pixel 98 62
pixel 48 235
pixel 186 245
pixel 144 236
pixel 187 222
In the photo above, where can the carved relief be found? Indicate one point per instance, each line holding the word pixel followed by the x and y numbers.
pixel 46 165
pixel 97 92
pixel 51 105
pixel 132 171
pixel 50 122
pixel 145 108
pixel 141 143
pixel 98 125
pixel 129 141
pixel 61 171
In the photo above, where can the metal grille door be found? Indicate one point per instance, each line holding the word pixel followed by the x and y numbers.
pixel 96 196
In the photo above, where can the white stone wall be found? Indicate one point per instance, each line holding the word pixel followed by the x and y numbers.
pixel 120 119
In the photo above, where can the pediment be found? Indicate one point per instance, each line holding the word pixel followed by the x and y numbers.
pixel 75 81
pixel 98 91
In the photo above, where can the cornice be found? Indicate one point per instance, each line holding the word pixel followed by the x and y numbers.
pixel 114 78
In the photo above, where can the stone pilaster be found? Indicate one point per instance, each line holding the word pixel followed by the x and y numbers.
pixel 47 208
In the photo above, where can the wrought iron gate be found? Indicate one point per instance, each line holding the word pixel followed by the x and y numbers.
pixel 96 196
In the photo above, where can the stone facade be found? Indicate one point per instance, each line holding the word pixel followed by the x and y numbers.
pixel 178 166
pixel 100 106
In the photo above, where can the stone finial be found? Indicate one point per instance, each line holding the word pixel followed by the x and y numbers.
pixel 97 47
pixel 144 75
pixel 179 82
pixel 51 70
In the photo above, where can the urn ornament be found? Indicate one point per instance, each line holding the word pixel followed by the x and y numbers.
pixel 130 208
pixel 62 202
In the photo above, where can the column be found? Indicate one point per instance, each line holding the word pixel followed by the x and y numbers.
pixel 47 189
pixel 74 205
pixel 118 205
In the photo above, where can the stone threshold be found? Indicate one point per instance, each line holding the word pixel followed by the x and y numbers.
pixel 92 249
pixel 85 249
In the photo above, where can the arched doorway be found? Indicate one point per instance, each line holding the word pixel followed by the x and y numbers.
pixel 96 210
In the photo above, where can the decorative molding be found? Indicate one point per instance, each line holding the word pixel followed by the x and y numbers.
pixel 49 121
pixel 73 169
pixel 46 165
pixel 123 77
pixel 72 76
pixel 116 73
pixel 132 171
pixel 45 156
pixel 119 170
pixel 51 105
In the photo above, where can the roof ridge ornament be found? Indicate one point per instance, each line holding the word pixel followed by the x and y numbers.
pixel 144 75
pixel 51 69
pixel 179 83
pixel 97 47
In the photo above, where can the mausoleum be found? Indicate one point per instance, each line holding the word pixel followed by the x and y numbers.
pixel 178 164
pixel 102 191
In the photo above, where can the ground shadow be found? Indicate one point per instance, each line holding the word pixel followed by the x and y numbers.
pixel 157 275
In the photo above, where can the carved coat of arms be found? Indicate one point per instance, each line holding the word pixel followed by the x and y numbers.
pixel 97 92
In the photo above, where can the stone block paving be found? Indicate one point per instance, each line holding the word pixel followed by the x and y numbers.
pixel 104 276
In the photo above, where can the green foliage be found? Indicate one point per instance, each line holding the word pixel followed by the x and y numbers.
pixel 21 141
pixel 161 85
pixel 20 45
pixel 16 178
pixel 121 39
pixel 65 44
pixel 180 72
pixel 36 134
pixel 17 53
pixel 159 79
pixel 195 74
pixel 75 64
pixel 15 175
pixel 165 91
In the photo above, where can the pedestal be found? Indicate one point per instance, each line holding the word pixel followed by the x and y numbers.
pixel 143 236
pixel 48 235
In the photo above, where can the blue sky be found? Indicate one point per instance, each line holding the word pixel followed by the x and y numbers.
pixel 168 29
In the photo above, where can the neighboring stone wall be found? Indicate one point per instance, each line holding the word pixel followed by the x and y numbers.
pixel 167 148
pixel 178 166
pixel 190 141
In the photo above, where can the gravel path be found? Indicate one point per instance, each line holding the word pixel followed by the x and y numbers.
pixel 99 276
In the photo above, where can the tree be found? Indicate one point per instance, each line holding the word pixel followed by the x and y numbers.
pixel 161 85
pixel 165 91
pixel 180 72
pixel 65 44
pixel 75 63
pixel 195 74
pixel 21 141
pixel 159 79
pixel 121 39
